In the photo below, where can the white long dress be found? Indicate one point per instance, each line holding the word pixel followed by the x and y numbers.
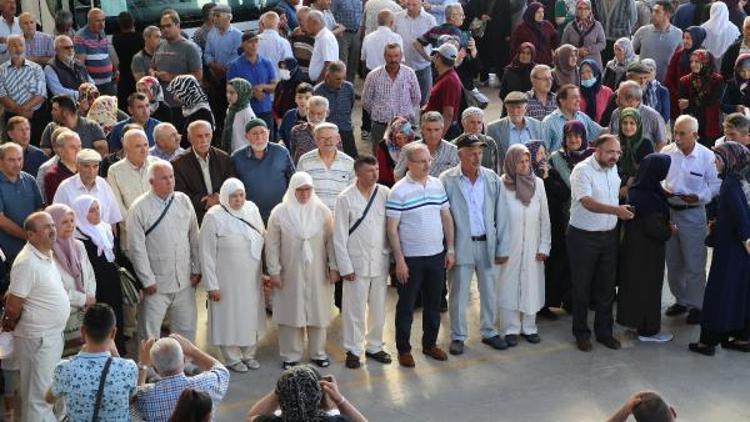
pixel 239 318
pixel 525 231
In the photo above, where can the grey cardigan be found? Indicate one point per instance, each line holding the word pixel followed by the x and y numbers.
pixel 594 40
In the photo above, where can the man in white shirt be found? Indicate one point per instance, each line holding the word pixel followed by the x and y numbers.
pixel 37 308
pixel 371 10
pixel 163 247
pixel 271 45
pixel 374 43
pixel 593 237
pixel 693 181
pixel 362 257
pixel 88 182
pixel 326 48
pixel 411 24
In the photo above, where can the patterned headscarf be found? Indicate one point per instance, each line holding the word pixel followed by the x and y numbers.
pixel 646 194
pixel 625 45
pixel 734 156
pixel 743 61
pixel 66 251
pixel 583 25
pixel 299 394
pixel 630 144
pixel 188 92
pixel 398 125
pixel 150 87
pixel 244 92
pixel 87 93
pixel 536 165
pixel 700 83
pixel 523 184
pixel 104 112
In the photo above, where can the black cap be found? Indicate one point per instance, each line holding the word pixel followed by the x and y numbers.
pixel 468 141
pixel 249 35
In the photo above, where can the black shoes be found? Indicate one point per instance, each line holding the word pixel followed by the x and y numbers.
pixel 547 314
pixel 380 356
pixel 456 347
pixel 610 342
pixel 322 363
pixel 496 342
pixel 736 345
pixel 694 317
pixel 532 338
pixel 512 340
pixel 676 310
pixel 703 349
pixel 584 345
pixel 352 361
pixel 287 365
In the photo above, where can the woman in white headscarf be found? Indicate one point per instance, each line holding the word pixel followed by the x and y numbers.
pixel 231 245
pixel 96 236
pixel 302 267
pixel 720 31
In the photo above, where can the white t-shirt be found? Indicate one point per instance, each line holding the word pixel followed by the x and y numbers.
pixel 35 278
pixel 373 46
pixel 238 127
pixel 326 49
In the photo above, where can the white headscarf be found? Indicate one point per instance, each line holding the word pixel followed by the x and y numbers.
pixel 304 220
pixel 100 234
pixel 248 212
pixel 720 31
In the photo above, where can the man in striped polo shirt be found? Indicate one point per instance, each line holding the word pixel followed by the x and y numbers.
pixel 332 170
pixel 23 87
pixel 92 50
pixel 418 221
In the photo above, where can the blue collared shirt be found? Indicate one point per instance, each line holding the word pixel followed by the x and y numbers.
pixel 265 179
pixel 258 73
pixel 222 48
pixel 474 196
pixel 519 136
pixel 17 200
pixel 115 138
pixel 554 123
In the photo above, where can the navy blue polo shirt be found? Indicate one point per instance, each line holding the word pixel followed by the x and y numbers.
pixel 17 201
pixel 266 179
pixel 258 73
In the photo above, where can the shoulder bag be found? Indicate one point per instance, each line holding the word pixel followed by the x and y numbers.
pixel 161 216
pixel 364 213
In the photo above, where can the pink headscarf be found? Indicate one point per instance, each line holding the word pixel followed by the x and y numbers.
pixel 66 251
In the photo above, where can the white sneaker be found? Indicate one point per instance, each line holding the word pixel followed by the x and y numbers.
pixel 657 338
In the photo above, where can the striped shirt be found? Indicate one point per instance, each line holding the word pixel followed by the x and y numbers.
pixel 328 182
pixel 445 157
pixel 417 208
pixel 386 98
pixel 41 45
pixel 22 83
pixel 96 49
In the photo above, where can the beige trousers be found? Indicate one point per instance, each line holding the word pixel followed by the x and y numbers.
pixel 292 342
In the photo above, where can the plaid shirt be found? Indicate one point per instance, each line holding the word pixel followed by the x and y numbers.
pixel 538 110
pixel 40 45
pixel 385 98
pixel 156 402
pixel 348 13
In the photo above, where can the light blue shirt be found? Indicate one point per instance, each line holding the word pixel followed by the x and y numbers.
pixel 522 136
pixel 474 196
pixel 554 122
pixel 222 48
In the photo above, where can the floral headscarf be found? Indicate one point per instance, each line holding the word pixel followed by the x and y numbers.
pixel 150 87
pixel 299 393
pixel 87 93
pixel 583 25
pixel 700 82
pixel 104 112
pixel 734 156
pixel 398 125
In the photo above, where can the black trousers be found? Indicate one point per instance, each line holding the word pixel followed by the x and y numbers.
pixel 348 143
pixel 712 338
pixel 593 264
pixel 268 118
pixel 426 275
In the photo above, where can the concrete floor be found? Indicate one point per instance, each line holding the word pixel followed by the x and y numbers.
pixel 551 381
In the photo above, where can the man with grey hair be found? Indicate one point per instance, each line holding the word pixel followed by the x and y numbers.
pixel 36 310
pixel 23 88
pixel 630 94
pixel 736 128
pixel 340 95
pixel 444 154
pixel 163 248
pixel 222 43
pixel 38 44
pixel 332 170
pixel 472 120
pixel 271 44
pixel 167 142
pixel 142 60
pixel 325 49
pixel 301 139
pixel 68 146
pixel 88 182
pixel 156 402
pixel 515 128
pixel 63 73
pixel 693 181
pixel 541 100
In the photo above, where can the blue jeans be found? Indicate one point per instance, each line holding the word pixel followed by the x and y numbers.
pixel 424 78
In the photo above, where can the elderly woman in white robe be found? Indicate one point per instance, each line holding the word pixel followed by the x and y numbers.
pixel 77 273
pixel 301 266
pixel 525 244
pixel 231 245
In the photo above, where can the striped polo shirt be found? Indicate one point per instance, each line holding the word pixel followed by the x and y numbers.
pixel 21 83
pixel 418 208
pixel 96 48
pixel 328 182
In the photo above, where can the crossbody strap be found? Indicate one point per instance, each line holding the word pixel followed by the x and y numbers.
pixel 100 392
pixel 249 224
pixel 161 216
pixel 364 213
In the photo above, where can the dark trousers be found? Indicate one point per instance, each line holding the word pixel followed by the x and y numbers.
pixel 426 275
pixel 609 51
pixel 348 143
pixel 268 118
pixel 593 264
pixel 218 101
pixel 453 132
pixel 712 338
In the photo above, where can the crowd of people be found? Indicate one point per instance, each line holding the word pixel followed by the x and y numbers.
pixel 139 168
